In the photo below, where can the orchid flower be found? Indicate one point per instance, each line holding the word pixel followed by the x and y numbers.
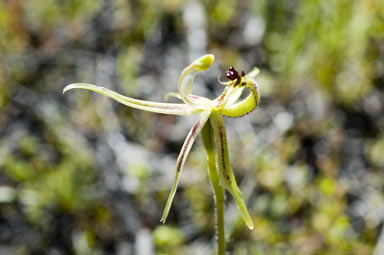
pixel 227 104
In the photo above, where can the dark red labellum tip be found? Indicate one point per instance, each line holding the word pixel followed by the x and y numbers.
pixel 232 74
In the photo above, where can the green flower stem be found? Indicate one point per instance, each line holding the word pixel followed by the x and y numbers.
pixel 209 145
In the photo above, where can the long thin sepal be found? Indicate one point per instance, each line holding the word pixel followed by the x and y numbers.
pixel 165 108
pixel 191 137
pixel 227 178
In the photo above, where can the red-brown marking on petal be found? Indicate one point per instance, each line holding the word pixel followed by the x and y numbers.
pixel 195 127
pixel 223 142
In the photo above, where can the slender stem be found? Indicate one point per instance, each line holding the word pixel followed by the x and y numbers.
pixel 209 145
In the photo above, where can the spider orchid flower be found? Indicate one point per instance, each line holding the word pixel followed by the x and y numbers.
pixel 227 104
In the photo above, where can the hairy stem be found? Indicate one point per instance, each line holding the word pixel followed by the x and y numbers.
pixel 208 140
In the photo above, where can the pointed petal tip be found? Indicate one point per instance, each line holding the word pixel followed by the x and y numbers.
pixel 68 87
pixel 224 83
pixel 166 210
pixel 172 94
pixel 255 71
pixel 250 225
pixel 71 86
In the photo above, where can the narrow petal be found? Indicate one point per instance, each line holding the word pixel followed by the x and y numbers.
pixel 222 100
pixel 235 96
pixel 196 100
pixel 227 178
pixel 165 108
pixel 199 124
pixel 172 94
pixel 255 71
pixel 200 101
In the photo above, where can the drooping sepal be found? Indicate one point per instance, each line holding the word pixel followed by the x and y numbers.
pixel 191 137
pixel 227 178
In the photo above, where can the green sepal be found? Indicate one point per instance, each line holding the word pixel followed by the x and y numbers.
pixel 227 178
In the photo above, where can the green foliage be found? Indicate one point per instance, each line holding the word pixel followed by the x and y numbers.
pixel 168 239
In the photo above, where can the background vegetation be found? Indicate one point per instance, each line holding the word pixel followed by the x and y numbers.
pixel 81 174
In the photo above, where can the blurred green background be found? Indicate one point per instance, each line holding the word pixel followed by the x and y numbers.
pixel 81 174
